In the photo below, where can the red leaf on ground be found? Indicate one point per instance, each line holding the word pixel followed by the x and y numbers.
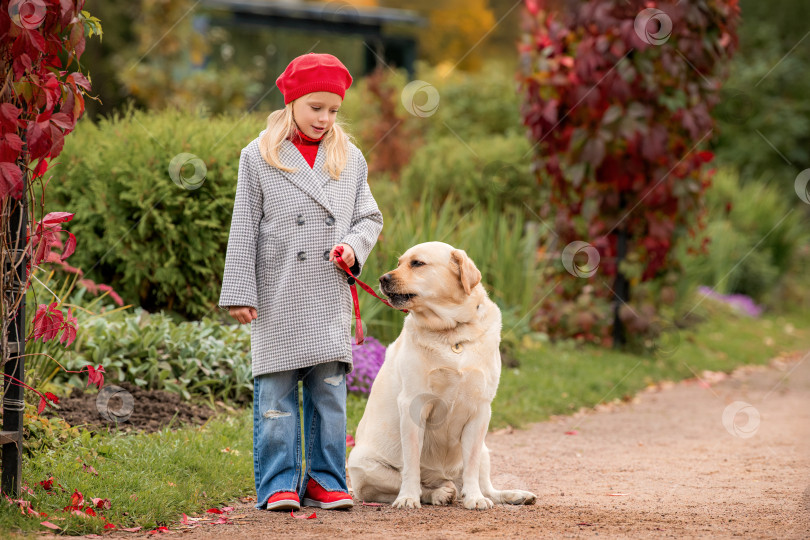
pixel 572 432
pixel 311 516
pixel 109 526
pixel 349 440
pixel 221 521
pixel 50 525
pixel 214 511
pixel 77 499
pixel 227 508
pixel 364 503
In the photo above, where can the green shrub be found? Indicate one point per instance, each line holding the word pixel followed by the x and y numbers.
pixel 205 358
pixel 473 105
pixel 157 243
pixel 481 170
pixel 755 235
pixel 764 116
pixel 504 247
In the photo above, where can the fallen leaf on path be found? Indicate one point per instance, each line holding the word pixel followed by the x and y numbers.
pixel 50 525
pixel 572 432
pixel 104 504
pixel 214 511
pixel 585 524
pixel 363 503
pixel 311 516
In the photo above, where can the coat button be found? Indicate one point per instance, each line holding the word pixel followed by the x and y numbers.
pixel 326 255
pixel 330 221
pixel 300 219
pixel 302 256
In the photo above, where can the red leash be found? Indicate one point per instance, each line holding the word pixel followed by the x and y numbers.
pixel 358 326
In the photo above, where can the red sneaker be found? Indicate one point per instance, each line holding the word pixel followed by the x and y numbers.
pixel 319 497
pixel 284 500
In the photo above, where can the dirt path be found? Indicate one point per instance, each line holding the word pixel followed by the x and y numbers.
pixel 664 465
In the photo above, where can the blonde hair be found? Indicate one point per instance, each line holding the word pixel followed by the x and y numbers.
pixel 281 125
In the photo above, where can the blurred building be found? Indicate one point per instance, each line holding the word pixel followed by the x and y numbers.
pixel 275 32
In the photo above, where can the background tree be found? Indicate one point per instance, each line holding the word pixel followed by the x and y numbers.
pixel 617 99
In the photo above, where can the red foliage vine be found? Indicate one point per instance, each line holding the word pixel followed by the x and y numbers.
pixel 43 88
pixel 617 96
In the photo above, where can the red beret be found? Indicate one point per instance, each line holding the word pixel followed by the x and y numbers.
pixel 314 73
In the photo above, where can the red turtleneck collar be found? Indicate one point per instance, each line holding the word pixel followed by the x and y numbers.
pixel 306 145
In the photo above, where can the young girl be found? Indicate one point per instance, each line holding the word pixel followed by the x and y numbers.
pixel 301 191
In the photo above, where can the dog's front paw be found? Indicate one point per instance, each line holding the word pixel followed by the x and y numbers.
pixel 518 496
pixel 477 503
pixel 443 495
pixel 407 502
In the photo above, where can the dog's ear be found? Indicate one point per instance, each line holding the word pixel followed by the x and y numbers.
pixel 468 274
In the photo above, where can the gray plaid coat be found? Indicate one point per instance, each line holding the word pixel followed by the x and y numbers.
pixel 277 261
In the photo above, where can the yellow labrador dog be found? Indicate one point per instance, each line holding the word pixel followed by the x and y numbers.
pixel 421 438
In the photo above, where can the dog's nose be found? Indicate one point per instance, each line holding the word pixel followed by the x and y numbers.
pixel 385 278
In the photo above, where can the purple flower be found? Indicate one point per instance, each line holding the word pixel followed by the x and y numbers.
pixel 367 359
pixel 740 302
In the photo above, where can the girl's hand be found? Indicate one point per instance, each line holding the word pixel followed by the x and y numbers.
pixel 348 255
pixel 243 314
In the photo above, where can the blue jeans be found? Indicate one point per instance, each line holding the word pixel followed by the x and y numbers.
pixel 277 430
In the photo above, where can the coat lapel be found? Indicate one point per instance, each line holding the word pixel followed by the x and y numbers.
pixel 310 180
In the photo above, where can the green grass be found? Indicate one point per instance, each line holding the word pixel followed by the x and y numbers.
pixel 135 472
